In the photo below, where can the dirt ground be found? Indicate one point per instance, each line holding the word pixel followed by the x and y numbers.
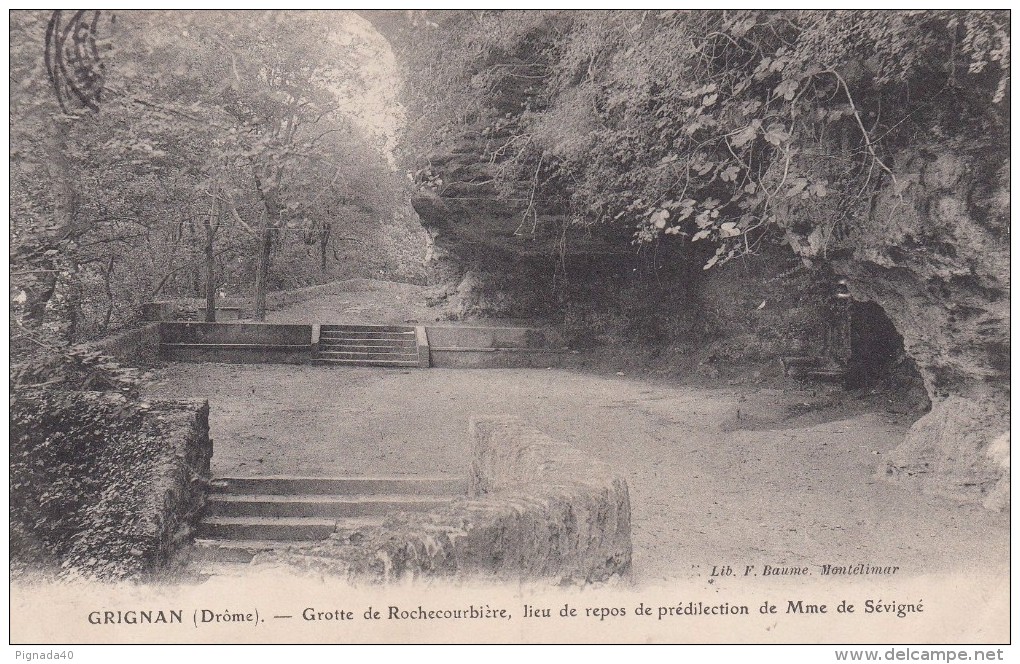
pixel 725 474
pixel 369 302
pixel 782 484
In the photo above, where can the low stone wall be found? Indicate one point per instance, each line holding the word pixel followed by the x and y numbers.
pixel 495 358
pixel 268 334
pixel 537 509
pixel 138 347
pixel 180 477
pixel 235 342
pixel 102 486
pixel 462 347
pixel 462 336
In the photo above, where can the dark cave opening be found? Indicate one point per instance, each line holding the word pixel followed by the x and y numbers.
pixel 878 357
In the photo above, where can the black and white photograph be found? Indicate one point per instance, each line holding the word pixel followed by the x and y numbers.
pixel 511 326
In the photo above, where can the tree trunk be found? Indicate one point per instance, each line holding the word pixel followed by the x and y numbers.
pixel 274 219
pixel 108 288
pixel 210 278
pixel 262 272
pixel 324 244
pixel 40 292
pixel 211 225
pixel 44 287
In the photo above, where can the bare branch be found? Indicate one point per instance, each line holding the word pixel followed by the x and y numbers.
pixel 860 123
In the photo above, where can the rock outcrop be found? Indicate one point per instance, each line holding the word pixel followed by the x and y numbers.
pixel 935 255
pixel 930 246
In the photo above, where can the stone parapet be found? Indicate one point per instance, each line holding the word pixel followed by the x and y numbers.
pixel 537 509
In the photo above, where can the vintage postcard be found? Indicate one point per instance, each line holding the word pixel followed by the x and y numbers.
pixel 511 327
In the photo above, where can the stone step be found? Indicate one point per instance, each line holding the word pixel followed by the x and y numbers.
pixel 387 350
pixel 231 551
pixel 233 570
pixel 368 336
pixel 826 375
pixel 402 329
pixel 798 364
pixel 205 550
pixel 381 332
pixel 367 343
pixel 366 363
pixel 319 505
pixel 405 485
pixel 810 368
pixel 356 348
pixel 266 528
pixel 248 515
pixel 345 354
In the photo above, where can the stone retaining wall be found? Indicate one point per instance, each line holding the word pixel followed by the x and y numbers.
pixel 537 509
pixel 178 478
pixel 232 342
pixel 464 347
pixel 954 451
pixel 463 336
pixel 269 334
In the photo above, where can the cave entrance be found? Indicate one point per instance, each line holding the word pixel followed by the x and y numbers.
pixel 877 353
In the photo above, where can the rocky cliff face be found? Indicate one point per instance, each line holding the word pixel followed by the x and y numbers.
pixel 935 255
pixel 489 258
pixel 931 250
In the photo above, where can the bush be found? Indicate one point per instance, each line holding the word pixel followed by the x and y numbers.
pixel 90 472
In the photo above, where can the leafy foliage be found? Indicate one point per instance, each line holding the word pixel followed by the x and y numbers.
pixel 83 468
pixel 722 127
pixel 75 368
pixel 218 149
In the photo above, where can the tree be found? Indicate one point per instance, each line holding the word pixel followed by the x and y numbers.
pixel 189 171
pixel 281 75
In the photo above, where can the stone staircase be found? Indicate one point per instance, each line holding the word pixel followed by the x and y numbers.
pixel 369 345
pixel 246 515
